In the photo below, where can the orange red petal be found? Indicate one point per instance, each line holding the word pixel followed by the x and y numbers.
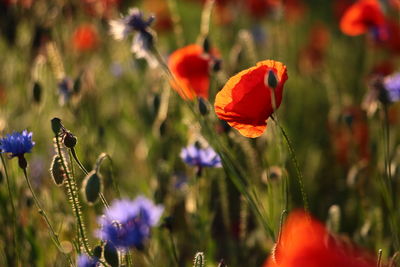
pixel 361 16
pixel 190 67
pixel 305 242
pixel 246 100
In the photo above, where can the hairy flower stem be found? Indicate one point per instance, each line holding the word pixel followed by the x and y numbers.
pixel 14 214
pixel 73 194
pixel 75 157
pixel 296 165
pixel 54 235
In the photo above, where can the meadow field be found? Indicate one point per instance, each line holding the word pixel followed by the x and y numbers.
pixel 161 133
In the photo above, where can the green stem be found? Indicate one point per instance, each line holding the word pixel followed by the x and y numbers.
pixel 174 250
pixel 296 165
pixel 54 235
pixel 14 214
pixel 71 187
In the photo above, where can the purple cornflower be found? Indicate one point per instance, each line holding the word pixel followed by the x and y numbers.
pixel 143 40
pixel 194 155
pixel 392 86
pixel 17 143
pixel 86 261
pixel 127 223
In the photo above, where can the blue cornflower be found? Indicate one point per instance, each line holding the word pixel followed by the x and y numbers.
pixel 392 86
pixel 201 157
pixel 86 261
pixel 127 223
pixel 17 143
pixel 143 40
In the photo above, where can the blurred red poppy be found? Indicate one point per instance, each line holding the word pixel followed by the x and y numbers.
pixel 191 66
pixel 260 8
pixel 305 242
pixel 294 10
pixel 251 96
pixel 85 38
pixel 361 17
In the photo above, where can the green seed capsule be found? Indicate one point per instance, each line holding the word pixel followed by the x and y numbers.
pixel 57 171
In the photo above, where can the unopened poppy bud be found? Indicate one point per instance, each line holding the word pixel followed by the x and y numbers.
pixel 70 140
pixel 97 250
pixel 57 171
pixel 271 80
pixel 199 260
pixel 202 106
pixel 37 92
pixel 91 187
pixel 111 254
pixel 56 125
pixel 206 45
pixel 217 65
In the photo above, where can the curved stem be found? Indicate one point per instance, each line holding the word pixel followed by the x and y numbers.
pixel 54 235
pixel 14 214
pixel 296 165
pixel 75 157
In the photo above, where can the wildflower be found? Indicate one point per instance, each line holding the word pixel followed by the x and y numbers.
pixel 86 261
pixel 392 86
pixel 361 17
pixel 305 242
pixel 143 40
pixel 17 143
pixel 127 223
pixel 85 38
pixel 194 155
pixel 191 67
pixel 248 98
pixel 66 90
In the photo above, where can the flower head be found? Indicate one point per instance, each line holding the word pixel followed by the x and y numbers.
pixel 251 96
pixel 17 143
pixel 194 155
pixel 361 17
pixel 392 86
pixel 127 223
pixel 191 68
pixel 305 242
pixel 86 261
pixel 143 41
pixel 85 38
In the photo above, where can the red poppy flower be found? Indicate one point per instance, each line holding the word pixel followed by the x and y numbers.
pixel 305 242
pixel 245 102
pixel 190 66
pixel 361 16
pixel 85 38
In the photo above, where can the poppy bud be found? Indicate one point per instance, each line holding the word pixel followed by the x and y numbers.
pixel 22 161
pixel 70 140
pixel 91 187
pixel 202 106
pixel 111 254
pixel 271 81
pixel 206 45
pixel 199 260
pixel 56 125
pixel 57 171
pixel 97 250
pixel 37 92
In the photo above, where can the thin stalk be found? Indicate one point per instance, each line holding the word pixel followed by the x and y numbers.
pixel 296 165
pixel 174 250
pixel 75 201
pixel 177 22
pixel 75 157
pixel 14 214
pixel 54 235
pixel 97 168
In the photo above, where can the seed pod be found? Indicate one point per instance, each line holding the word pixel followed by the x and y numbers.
pixel 56 125
pixel 97 250
pixel 271 80
pixel 91 187
pixel 199 260
pixel 70 140
pixel 37 92
pixel 203 106
pixel 111 254
pixel 57 171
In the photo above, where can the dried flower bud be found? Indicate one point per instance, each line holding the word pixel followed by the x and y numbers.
pixel 91 187
pixel 70 140
pixel 57 171
pixel 56 125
